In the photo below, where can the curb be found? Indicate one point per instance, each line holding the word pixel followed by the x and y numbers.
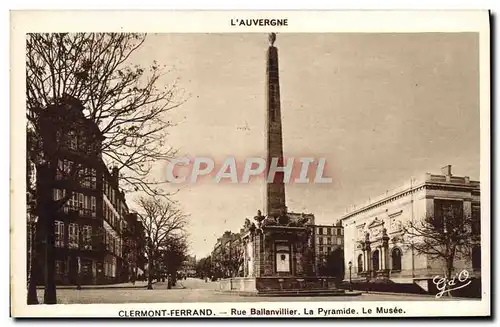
pixel 312 294
pixel 96 287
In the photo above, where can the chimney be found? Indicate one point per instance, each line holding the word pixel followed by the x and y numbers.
pixel 446 170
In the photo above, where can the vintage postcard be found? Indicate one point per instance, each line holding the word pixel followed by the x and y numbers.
pixel 250 164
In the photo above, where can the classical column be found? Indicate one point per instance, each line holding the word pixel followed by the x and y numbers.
pixel 245 258
pixel 385 247
pixel 366 261
pixel 382 256
pixel 379 257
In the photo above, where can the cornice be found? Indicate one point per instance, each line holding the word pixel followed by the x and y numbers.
pixel 428 185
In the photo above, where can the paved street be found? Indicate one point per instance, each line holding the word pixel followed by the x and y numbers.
pixel 196 290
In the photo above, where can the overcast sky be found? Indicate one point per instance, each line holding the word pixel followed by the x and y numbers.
pixel 380 108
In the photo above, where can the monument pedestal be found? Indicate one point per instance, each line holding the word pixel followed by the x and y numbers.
pixel 281 286
pixel 279 259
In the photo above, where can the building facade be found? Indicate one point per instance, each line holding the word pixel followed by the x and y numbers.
pixel 327 238
pixel 374 235
pixel 188 267
pixel 93 225
pixel 227 255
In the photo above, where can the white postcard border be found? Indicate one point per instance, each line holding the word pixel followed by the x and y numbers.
pixel 218 22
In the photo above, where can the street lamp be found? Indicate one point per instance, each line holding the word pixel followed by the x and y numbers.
pixel 350 276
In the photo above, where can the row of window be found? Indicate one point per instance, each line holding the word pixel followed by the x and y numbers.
pixel 330 240
pixel 78 201
pixel 321 249
pixel 76 142
pixel 87 177
pixel 78 236
pixel 112 194
pixel 110 268
pixel 110 215
pixel 336 231
pixel 62 267
pixel 113 244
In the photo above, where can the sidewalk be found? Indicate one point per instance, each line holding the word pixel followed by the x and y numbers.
pixel 129 285
pixel 445 296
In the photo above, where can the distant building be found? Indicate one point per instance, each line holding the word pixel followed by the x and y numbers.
pixel 373 231
pixel 96 239
pixel 189 266
pixel 133 248
pixel 226 254
pixel 327 238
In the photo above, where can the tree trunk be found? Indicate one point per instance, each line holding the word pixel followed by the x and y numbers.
pixel 449 271
pixel 50 296
pixel 150 273
pixel 33 265
pixel 46 213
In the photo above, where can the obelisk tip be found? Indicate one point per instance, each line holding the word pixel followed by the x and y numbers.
pixel 272 38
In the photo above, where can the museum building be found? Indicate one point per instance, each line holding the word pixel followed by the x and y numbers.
pixel 374 240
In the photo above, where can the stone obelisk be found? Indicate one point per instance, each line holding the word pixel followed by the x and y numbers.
pixel 275 193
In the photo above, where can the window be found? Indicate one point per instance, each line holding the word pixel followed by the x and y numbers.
pixel 328 249
pixel 73 201
pixel 320 231
pixel 328 231
pixel 447 213
pixel 81 200
pixel 113 267
pixel 63 168
pixel 328 241
pixel 58 194
pixel 93 178
pixel 73 141
pixel 86 267
pixel 360 263
pixel 339 241
pixel 86 205
pixel 87 237
pixel 396 259
pixel 339 232
pixel 59 267
pixel 59 233
pixel 73 236
pixel 59 170
pixel 320 241
pixel 93 205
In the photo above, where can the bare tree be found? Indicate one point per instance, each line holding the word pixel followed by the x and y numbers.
pixel 173 252
pixel 447 236
pixel 163 221
pixel 124 101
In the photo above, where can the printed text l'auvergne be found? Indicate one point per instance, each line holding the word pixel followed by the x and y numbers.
pixel 261 22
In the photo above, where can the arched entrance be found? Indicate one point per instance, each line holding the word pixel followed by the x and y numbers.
pixel 360 263
pixel 375 260
pixel 396 259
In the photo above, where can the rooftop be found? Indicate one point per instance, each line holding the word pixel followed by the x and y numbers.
pixel 445 177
